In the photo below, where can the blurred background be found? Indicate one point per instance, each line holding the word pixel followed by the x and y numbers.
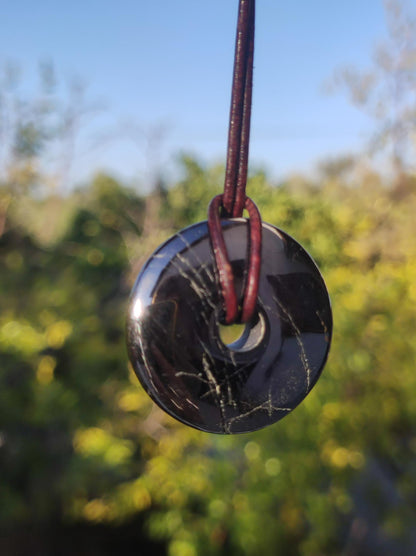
pixel 113 130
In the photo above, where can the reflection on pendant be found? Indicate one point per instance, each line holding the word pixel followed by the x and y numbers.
pixel 176 347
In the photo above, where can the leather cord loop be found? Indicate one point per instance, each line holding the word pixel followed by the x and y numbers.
pixel 234 199
pixel 225 271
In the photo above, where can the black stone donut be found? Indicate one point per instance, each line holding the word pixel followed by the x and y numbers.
pixel 174 341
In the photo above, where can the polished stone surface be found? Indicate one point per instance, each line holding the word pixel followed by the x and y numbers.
pixel 174 340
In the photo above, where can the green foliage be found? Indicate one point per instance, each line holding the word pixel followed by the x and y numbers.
pixel 80 440
pixel 188 201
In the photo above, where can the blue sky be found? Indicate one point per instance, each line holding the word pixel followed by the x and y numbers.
pixel 164 65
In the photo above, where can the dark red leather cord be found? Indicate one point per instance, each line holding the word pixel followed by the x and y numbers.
pixel 240 112
pixel 234 200
pixel 254 261
pixel 225 270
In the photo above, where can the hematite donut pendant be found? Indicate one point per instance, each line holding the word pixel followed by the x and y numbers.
pixel 175 345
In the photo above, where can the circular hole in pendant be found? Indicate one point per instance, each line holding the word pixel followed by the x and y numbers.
pixel 243 337
pixel 231 333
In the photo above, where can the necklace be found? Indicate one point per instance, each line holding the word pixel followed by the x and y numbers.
pixel 224 271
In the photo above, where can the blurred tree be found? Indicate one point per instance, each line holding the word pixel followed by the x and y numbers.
pixel 80 440
pixel 37 136
pixel 387 91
